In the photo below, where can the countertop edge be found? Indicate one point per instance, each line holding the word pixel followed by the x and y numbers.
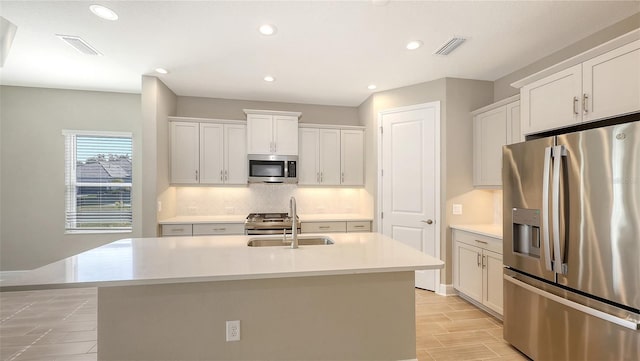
pixel 482 229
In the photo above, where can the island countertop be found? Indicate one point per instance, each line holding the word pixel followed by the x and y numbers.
pixel 145 261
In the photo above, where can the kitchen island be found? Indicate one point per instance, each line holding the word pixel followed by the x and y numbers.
pixel 170 298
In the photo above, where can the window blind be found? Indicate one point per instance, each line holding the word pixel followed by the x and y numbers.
pixel 98 181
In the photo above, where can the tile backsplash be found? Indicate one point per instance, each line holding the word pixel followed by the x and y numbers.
pixel 211 201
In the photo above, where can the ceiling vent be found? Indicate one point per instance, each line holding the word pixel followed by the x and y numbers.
pixel 450 46
pixel 80 45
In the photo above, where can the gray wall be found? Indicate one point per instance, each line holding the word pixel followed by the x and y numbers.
pixel 158 102
pixel 32 151
pixel 232 109
pixel 457 98
pixel 502 87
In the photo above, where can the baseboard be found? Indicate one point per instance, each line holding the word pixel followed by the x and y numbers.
pixel 446 290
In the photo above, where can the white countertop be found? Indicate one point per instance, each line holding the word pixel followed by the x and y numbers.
pixel 489 230
pixel 227 218
pixel 142 261
pixel 333 217
pixel 235 218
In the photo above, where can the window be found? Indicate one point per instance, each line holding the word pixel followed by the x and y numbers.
pixel 98 181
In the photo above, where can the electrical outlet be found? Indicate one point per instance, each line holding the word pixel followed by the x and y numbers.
pixel 233 330
pixel 457 209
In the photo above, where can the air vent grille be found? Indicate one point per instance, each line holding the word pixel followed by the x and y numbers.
pixel 79 44
pixel 450 46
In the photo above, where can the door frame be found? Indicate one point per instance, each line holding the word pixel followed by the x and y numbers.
pixel 435 105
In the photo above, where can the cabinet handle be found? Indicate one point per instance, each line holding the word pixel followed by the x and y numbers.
pixel 196 174
pixel 483 242
pixel 219 229
pixel 321 177
pixel 221 178
pixel 483 265
pixel 324 227
pixel 360 226
pixel 478 259
pixel 585 103
pixel 226 175
pixel 342 179
pixel 317 177
pixel 575 105
pixel 275 147
pixel 177 229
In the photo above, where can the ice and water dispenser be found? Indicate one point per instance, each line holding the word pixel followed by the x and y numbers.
pixel 526 231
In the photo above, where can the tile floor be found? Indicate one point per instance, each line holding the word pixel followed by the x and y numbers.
pixel 61 325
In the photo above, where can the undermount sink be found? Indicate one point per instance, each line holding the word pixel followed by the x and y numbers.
pixel 278 241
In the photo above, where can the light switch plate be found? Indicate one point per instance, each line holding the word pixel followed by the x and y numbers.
pixel 457 209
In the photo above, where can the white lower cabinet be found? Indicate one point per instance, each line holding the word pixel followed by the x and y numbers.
pixel 335 226
pixel 202 229
pixel 477 268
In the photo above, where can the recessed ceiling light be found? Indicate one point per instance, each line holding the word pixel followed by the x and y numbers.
pixel 372 87
pixel 414 44
pixel 268 29
pixel 162 71
pixel 269 78
pixel 103 12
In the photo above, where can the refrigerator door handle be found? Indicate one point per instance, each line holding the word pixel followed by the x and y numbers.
pixel 628 323
pixel 559 151
pixel 545 209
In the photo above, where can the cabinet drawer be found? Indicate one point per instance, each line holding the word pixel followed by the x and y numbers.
pixel 208 229
pixel 478 240
pixel 359 226
pixel 315 227
pixel 176 230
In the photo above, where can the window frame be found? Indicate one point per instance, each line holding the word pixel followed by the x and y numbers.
pixel 71 183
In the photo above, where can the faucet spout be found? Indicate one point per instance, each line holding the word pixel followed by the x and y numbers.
pixel 294 222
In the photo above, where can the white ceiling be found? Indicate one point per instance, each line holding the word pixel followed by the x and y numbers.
pixel 323 53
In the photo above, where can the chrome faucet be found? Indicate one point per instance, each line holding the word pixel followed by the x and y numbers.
pixel 294 222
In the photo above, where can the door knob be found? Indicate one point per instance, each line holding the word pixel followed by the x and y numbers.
pixel 428 221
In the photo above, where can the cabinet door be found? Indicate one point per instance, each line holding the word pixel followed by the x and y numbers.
pixel 514 131
pixel 492 280
pixel 285 135
pixel 259 134
pixel 211 153
pixel 468 277
pixel 552 102
pixel 352 157
pixel 308 157
pixel 329 156
pixel 611 83
pixel 490 134
pixel 184 152
pixel 235 154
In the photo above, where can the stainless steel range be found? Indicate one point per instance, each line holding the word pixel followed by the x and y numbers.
pixel 269 223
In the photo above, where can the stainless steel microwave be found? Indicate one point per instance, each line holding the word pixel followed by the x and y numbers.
pixel 273 168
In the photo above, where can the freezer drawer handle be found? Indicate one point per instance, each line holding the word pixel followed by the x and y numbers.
pixel 634 325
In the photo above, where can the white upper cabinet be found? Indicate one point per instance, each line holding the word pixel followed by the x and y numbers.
pixel 185 152
pixel 331 156
pixel 352 157
pixel 494 126
pixel 600 83
pixel 205 151
pixel 611 83
pixel 552 102
pixel 272 132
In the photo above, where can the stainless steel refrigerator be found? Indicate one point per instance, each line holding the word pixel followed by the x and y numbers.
pixel 572 245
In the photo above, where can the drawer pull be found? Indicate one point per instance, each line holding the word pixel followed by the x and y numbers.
pixel 483 242
pixel 358 226
pixel 177 229
pixel 324 227
pixel 219 229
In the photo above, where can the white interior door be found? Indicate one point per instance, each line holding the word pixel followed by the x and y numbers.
pixel 409 188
